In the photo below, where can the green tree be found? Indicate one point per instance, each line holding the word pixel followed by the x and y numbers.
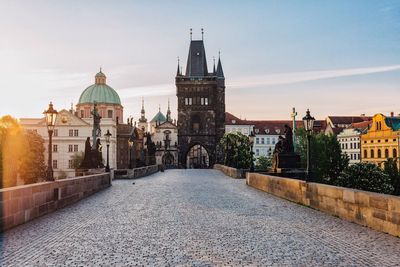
pixel 263 163
pixel 33 168
pixel 392 171
pixel 327 160
pixel 365 176
pixel 236 148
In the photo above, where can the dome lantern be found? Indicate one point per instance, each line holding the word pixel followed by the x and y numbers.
pixel 100 78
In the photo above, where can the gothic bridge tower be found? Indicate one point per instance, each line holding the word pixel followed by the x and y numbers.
pixel 201 109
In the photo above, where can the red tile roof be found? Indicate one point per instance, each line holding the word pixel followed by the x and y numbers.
pixel 336 120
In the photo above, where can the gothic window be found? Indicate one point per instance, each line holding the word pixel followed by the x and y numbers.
pixel 196 123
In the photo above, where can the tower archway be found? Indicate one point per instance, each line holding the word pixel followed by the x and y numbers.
pixel 197 158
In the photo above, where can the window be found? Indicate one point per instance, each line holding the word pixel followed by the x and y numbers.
pixel 70 148
pixel 273 141
pixel 76 132
pixel 110 114
pixel 70 164
pixel 394 153
pixel 346 146
pixel 196 123
pixel 257 140
pixel 262 140
pixel 202 101
pixel 372 154
pixel 71 132
pixel 76 148
pixel 82 113
pixel 55 132
pixel 55 148
pixel 206 101
pixel 257 152
pixel 365 154
pixel 351 156
pixel 379 154
pixel 386 153
pixel 268 141
pixel 54 164
pixel 351 145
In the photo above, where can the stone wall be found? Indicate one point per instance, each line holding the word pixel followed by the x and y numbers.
pixel 229 171
pixel 137 172
pixel 23 203
pixel 378 211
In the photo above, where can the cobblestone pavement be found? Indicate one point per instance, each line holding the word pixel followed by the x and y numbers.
pixel 193 218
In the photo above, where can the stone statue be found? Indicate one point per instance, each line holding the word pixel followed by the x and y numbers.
pixel 96 132
pixel 284 158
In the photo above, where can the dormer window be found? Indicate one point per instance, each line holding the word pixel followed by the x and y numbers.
pixel 233 121
pixel 278 131
pixel 266 130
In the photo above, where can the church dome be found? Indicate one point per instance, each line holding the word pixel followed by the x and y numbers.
pixel 159 117
pixel 100 92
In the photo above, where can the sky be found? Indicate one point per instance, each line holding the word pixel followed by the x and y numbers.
pixel 334 57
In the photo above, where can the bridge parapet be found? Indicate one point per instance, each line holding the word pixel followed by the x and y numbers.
pixel 377 211
pixel 21 204
pixel 231 172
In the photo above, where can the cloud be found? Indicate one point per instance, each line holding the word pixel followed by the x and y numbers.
pixel 298 77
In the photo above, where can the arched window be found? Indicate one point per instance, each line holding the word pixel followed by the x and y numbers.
pixel 379 154
pixel 386 153
pixel 394 153
pixel 372 154
pixel 365 153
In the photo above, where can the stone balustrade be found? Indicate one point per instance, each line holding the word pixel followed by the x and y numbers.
pixel 136 173
pixel 231 172
pixel 378 211
pixel 23 203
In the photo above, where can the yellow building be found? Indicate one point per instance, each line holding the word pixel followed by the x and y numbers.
pixel 381 141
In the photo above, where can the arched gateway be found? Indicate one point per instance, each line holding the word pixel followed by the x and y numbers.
pixel 197 158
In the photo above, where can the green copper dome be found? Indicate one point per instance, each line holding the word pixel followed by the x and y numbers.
pixel 100 92
pixel 159 117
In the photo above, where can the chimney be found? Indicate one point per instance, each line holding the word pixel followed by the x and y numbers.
pixel 392 114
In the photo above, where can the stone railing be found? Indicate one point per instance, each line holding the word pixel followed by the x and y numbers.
pixel 231 172
pixel 136 173
pixel 23 203
pixel 378 211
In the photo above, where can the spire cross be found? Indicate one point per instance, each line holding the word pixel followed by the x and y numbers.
pixel 202 34
pixel 190 34
pixel 293 115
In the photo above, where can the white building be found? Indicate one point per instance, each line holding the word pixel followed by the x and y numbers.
pixel 74 127
pixel 69 137
pixel 350 140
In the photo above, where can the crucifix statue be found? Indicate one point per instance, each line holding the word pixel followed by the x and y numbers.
pixel 293 115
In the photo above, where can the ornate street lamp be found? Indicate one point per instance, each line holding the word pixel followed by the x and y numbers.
pixel 130 144
pixel 251 138
pixel 107 137
pixel 51 116
pixel 308 126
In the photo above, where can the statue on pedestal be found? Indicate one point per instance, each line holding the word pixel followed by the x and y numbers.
pixel 284 157
pixel 93 158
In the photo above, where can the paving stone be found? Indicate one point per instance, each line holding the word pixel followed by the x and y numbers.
pixel 193 218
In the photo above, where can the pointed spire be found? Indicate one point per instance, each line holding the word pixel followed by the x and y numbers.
pixel 143 113
pixel 190 34
pixel 220 72
pixel 169 112
pixel 178 73
pixel 214 65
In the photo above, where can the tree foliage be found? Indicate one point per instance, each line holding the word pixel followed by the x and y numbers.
pixel 392 170
pixel 237 150
pixel 77 159
pixel 365 176
pixel 327 160
pixel 263 163
pixel 21 153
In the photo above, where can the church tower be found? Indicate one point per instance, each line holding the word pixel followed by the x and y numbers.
pixel 201 109
pixel 143 125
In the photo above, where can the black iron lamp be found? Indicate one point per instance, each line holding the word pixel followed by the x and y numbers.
pixel 51 116
pixel 308 121
pixel 107 136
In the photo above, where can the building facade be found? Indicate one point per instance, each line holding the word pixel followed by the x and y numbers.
pixel 349 140
pixel 201 110
pixel 381 141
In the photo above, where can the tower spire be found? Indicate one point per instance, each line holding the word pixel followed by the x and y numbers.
pixel 178 73
pixel 220 72
pixel 214 65
pixel 142 113
pixel 169 113
pixel 190 34
pixel 202 34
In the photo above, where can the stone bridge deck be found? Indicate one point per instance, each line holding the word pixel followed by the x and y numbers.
pixel 193 218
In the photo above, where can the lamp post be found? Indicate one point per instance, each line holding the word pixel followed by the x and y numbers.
pixel 308 121
pixel 51 116
pixel 251 138
pixel 107 137
pixel 130 144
